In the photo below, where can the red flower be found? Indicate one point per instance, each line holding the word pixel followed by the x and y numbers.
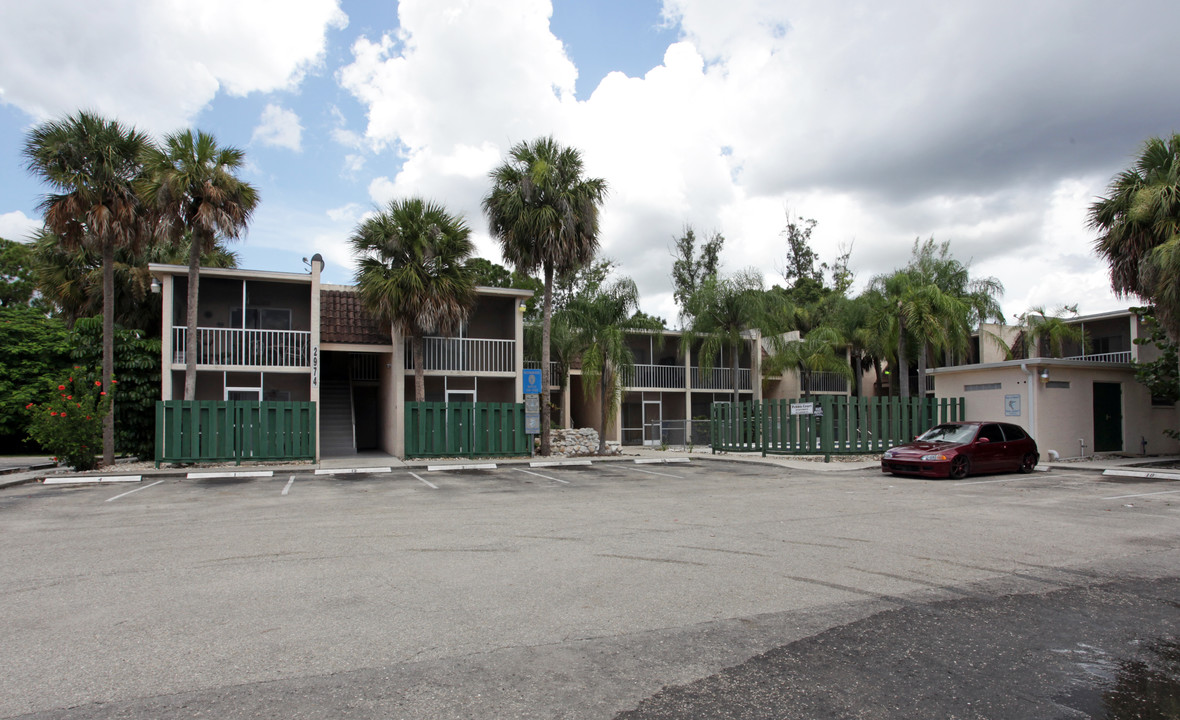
pixel 71 379
pixel 114 382
pixel 87 417
pixel 28 406
pixel 78 404
pixel 53 413
pixel 98 383
pixel 104 392
pixel 63 414
pixel 61 387
pixel 69 397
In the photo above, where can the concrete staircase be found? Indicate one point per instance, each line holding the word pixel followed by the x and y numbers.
pixel 336 434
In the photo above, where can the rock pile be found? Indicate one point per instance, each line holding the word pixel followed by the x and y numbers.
pixel 579 441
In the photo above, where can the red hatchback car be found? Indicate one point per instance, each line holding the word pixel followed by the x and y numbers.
pixel 956 449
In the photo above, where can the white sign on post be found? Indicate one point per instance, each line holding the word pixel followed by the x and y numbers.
pixel 802 408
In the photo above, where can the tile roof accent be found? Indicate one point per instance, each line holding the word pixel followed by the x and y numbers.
pixel 344 320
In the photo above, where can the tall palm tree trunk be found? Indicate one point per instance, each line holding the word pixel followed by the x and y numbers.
pixel 922 371
pixel 419 371
pixel 903 369
pixel 108 350
pixel 546 323
pixel 602 421
pixel 190 343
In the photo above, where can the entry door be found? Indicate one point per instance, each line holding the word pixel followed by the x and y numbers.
pixel 653 419
pixel 1108 417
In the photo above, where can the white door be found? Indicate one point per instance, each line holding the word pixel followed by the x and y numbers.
pixel 653 418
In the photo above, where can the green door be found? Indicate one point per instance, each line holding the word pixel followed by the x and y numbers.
pixel 1108 417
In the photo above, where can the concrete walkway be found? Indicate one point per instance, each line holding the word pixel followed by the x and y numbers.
pixel 39 468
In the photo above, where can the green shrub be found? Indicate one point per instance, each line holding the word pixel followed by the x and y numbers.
pixel 137 365
pixel 68 423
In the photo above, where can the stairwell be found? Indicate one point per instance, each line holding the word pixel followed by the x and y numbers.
pixel 336 431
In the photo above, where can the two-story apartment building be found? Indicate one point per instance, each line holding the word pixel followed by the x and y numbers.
pixel 1083 402
pixel 278 336
pixel 665 391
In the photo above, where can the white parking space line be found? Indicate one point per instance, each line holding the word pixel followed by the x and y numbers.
pixel 145 487
pixel 236 474
pixel 425 482
pixel 547 477
pixel 287 487
pixel 652 472
pixel 985 482
pixel 1120 497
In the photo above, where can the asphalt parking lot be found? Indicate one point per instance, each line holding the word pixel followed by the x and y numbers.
pixel 575 592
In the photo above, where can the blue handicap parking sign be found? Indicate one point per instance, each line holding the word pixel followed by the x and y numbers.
pixel 532 382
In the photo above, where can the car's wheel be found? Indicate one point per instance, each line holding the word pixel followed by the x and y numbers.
pixel 1028 463
pixel 960 466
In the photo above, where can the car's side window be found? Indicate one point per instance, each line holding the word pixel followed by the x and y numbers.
pixel 992 433
pixel 1013 432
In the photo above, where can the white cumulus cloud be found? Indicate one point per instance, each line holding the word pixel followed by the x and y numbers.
pixel 156 64
pixel 279 127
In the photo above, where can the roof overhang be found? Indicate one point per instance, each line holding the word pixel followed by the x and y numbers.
pixel 160 271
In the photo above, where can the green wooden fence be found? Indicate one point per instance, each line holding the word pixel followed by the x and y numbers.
pixel 190 431
pixel 482 429
pixel 846 426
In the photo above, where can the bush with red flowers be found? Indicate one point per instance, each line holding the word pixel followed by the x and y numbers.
pixel 69 424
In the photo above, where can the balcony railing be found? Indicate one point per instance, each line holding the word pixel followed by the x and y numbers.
pixel 249 348
pixel 720 379
pixel 1123 356
pixel 464 354
pixel 825 382
pixel 656 376
pixel 554 370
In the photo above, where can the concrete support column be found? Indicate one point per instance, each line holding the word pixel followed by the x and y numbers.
pixel 167 311
pixel 398 406
pixel 314 379
pixel 518 344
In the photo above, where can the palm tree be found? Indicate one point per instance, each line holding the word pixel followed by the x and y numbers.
pixel 193 185
pixel 932 305
pixel 1041 331
pixel 601 320
pixel 818 351
pixel 544 213
pixel 1139 230
pixel 723 310
pixel 92 163
pixel 412 272
pixel 70 279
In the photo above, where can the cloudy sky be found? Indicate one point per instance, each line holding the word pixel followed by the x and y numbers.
pixel 991 124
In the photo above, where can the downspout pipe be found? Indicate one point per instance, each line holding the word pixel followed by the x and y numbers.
pixel 1032 399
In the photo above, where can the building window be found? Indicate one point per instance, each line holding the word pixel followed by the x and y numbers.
pixel 1059 384
pixel 982 386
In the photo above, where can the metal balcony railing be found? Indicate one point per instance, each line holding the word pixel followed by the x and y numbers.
pixel 720 379
pixel 554 370
pixel 825 382
pixel 656 376
pixel 1123 356
pixel 464 354
pixel 248 348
